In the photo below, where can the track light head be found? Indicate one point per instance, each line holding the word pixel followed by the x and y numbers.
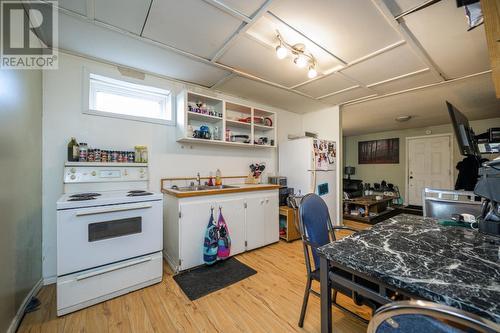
pixel 281 52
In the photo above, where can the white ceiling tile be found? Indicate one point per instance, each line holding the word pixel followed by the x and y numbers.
pixel 246 7
pixel 349 95
pixel 475 97
pixel 265 29
pixel 399 6
pixel 269 95
pixel 252 57
pixel 350 29
pixel 327 85
pixel 190 25
pixel 129 15
pixel 89 39
pixel 77 6
pixel 442 31
pixel 417 80
pixel 395 62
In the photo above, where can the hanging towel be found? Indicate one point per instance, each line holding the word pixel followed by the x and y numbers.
pixel 224 239
pixel 210 245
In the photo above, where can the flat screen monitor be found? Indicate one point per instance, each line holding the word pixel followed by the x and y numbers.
pixel 465 135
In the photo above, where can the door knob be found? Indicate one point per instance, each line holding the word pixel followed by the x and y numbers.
pixel 411 177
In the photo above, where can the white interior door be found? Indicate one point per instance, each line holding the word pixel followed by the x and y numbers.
pixel 429 165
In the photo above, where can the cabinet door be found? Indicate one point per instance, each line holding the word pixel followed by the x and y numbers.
pixel 233 211
pixel 192 226
pixel 255 222
pixel 272 228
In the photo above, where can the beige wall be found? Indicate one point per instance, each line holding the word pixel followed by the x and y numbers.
pixel 21 188
pixel 395 173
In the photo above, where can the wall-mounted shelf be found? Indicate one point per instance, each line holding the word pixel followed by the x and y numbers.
pixel 195 110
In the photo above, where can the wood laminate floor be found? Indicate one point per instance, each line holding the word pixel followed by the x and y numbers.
pixel 268 301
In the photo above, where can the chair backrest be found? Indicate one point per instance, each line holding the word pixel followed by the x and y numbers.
pixel 418 316
pixel 315 224
pixel 442 204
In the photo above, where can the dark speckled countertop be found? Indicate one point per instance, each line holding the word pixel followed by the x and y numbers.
pixel 449 265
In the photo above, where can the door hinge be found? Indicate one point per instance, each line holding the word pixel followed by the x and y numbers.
pixel 180 262
pixel 245 205
pixel 246 243
pixel 180 214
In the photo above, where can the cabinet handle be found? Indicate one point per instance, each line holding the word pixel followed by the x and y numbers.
pixel 267 201
pixel 262 202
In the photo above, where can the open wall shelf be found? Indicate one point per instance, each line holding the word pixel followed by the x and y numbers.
pixel 208 120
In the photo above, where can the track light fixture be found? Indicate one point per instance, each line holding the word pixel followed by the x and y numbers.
pixel 301 58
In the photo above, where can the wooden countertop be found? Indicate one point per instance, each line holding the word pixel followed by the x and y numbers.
pixel 237 189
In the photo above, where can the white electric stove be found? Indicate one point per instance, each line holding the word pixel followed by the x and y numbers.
pixel 109 234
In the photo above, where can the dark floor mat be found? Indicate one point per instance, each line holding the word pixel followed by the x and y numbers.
pixel 204 280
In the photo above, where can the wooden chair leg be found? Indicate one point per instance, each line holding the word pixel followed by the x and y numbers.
pixel 304 302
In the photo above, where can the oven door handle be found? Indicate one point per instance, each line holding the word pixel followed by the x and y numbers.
pixel 111 269
pixel 111 210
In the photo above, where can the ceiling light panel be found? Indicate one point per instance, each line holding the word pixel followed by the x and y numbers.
pixel 264 30
pixel 269 95
pixel 395 62
pixel 246 7
pixel 413 81
pixel 190 25
pixel 77 6
pixel 89 39
pixel 327 85
pixel 456 51
pixel 346 96
pixel 349 29
pixel 253 57
pixel 130 16
pixel 475 97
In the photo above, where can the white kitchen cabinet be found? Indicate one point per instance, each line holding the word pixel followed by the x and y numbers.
pixel 262 223
pixel 251 217
pixel 272 227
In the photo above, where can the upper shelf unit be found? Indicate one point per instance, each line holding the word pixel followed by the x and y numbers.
pixel 208 120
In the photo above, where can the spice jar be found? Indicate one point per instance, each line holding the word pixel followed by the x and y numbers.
pixel 90 155
pixel 83 151
pixel 104 155
pixel 141 154
pixel 114 156
pixel 97 155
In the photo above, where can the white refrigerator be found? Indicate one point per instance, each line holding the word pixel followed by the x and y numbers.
pixel 310 166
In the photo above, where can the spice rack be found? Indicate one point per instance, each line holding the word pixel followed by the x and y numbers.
pixel 240 125
pixel 93 164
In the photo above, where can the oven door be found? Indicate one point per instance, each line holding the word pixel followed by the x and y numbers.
pixel 95 236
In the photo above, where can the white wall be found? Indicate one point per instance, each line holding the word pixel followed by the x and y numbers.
pixel 63 118
pixel 327 123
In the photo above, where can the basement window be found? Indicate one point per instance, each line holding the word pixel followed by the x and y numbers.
pixel 121 99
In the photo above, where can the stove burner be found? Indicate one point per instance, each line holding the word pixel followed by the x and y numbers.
pixel 138 194
pixel 136 191
pixel 85 195
pixel 81 198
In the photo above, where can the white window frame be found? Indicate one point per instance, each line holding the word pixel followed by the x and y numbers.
pixel 132 88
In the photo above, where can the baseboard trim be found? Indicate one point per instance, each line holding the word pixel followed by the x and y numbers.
pixel 20 312
pixel 49 280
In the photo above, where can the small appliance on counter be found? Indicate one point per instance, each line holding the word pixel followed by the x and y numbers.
pixel 109 234
pixel 277 180
pixel 488 187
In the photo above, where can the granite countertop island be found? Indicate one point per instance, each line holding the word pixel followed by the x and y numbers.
pixel 448 265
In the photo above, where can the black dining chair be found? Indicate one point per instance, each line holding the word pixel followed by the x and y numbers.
pixel 317 230
pixel 417 316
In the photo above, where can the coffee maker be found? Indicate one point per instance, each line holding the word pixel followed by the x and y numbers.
pixel 488 187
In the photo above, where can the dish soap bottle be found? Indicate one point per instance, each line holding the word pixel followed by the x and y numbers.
pixel 218 179
pixel 73 151
pixel 210 180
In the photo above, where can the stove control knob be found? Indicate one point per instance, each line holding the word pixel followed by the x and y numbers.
pixel 73 177
pixel 72 170
pixel 93 173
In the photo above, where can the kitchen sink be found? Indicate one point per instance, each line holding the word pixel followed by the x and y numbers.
pixel 201 188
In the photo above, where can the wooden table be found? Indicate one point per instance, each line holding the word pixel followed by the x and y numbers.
pixel 370 204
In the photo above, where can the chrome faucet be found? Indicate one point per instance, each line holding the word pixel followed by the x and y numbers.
pixel 198 179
